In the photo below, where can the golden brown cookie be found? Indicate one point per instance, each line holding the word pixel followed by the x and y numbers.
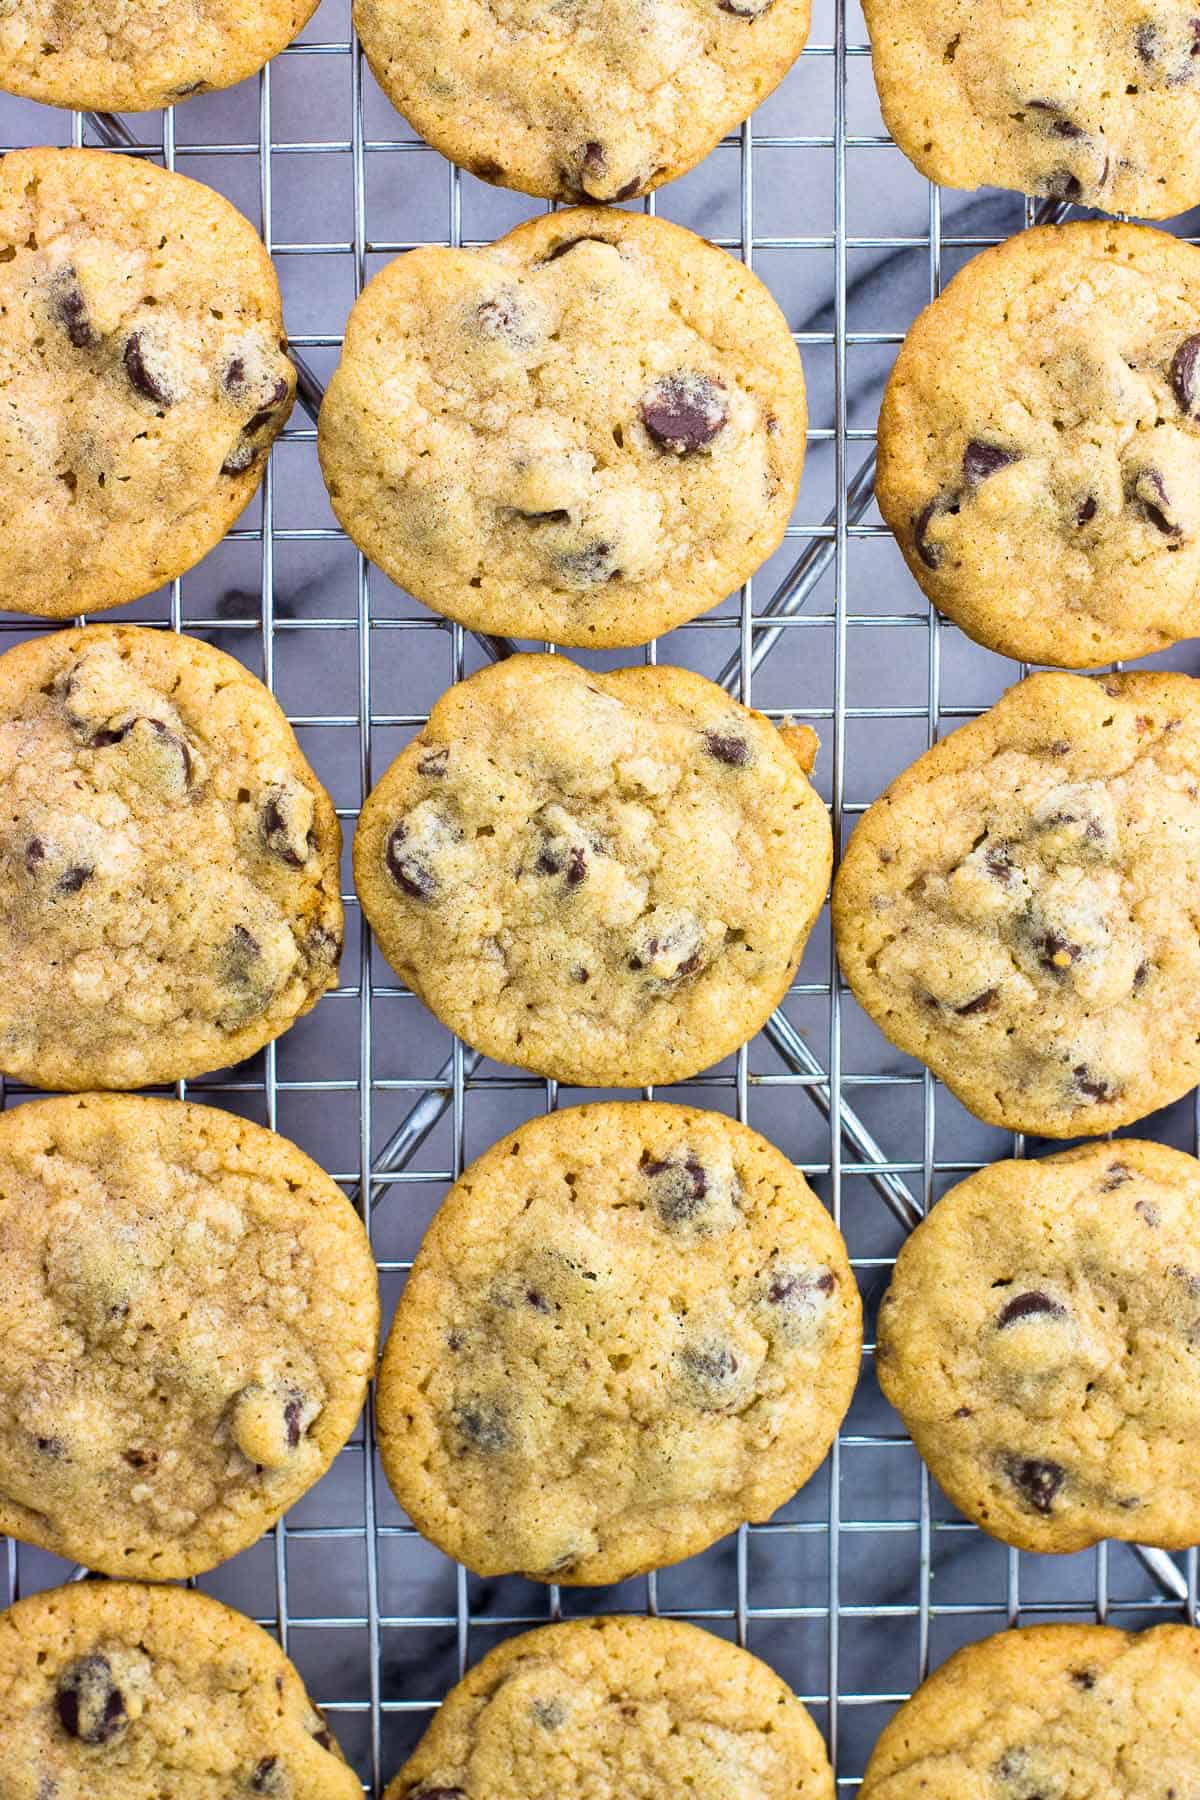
pixel 145 376
pixel 608 879
pixel 169 895
pixel 630 1328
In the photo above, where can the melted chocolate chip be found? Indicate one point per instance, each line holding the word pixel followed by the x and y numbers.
pixel 234 375
pixel 487 169
pixel 1038 1482
pixel 141 1459
pixel 745 9
pixel 1057 953
pixel 1086 511
pixel 276 836
pixel 981 460
pixel 1147 1210
pixel 244 949
pixel 51 1446
pixel 268 1777
pixel 70 309
pixel 1032 1305
pixel 680 1189
pixel 1185 376
pixel 1084 1678
pixel 1090 1086
pixel 35 853
pixel 998 863
pixel 409 871
pixel 1116 1175
pixel 561 249
pixel 595 563
pixel 293 1407
pixel 140 377
pixel 929 553
pixel 483 1425
pixel 557 516
pixel 90 1705
pixel 1147 491
pixel 503 317
pixel 710 1369
pixel 684 412
pixel 1061 184
pixel 434 761
pixel 980 1003
pixel 786 1289
pixel 74 878
pixel 727 749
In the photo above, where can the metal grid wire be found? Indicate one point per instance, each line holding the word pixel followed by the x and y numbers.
pixel 868 1578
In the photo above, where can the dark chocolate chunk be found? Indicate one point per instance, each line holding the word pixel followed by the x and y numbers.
pixel 1056 952
pixel 684 412
pixel 1038 1482
pixel 74 878
pixel 981 460
pixel 585 237
pixel 680 1188
pixel 434 760
pixel 1029 1306
pixel 70 309
pixel 483 1425
pixel 90 1705
pixel 1090 1086
pixel 268 1777
pixel 929 553
pixel 1116 1175
pixel 293 1407
pixel 142 379
pixel 979 1004
pixel 1147 491
pixel 35 853
pixel 727 749
pixel 1185 376
pixel 407 869
pixel 1086 510
pixel 595 563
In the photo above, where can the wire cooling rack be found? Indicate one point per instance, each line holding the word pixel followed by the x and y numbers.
pixel 868 1578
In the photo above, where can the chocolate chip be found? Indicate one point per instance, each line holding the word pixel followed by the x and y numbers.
pixel 998 863
pixel 1057 953
pixel 710 1370
pixel 408 870
pixel 239 459
pixel 140 377
pixel 979 1004
pixel 630 188
pixel 1145 42
pixel 1061 184
pixel 1141 976
pixel 592 159
pixel 595 563
pixel 483 1424
pixel 549 1714
pixel 1147 491
pixel 503 317
pixel 293 1407
pixel 323 1736
pixel 981 460
pixel 244 949
pixel 684 412
pixel 276 836
pixel 1090 1086
pixel 70 309
pixel 1116 1175
pixel 487 169
pixel 434 761
pixel 90 1705
pixel 141 1459
pixel 1084 1678
pixel 786 1289
pixel 1148 1211
pixel 53 1447
pixel 1185 376
pixel 561 248
pixel 1029 1306
pixel 1086 511
pixel 35 853
pixel 680 1188
pixel 745 9
pixel 929 553
pixel 1038 1482
pixel 1055 120
pixel 580 975
pixel 268 1777
pixel 234 375
pixel 557 516
pixel 74 878
pixel 727 749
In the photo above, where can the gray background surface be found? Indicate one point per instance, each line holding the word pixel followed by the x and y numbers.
pixel 868 1577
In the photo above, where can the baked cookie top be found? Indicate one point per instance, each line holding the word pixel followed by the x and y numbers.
pixel 1077 1711
pixel 169 895
pixel 110 1688
pixel 1037 1339
pixel 1077 102
pixel 145 374
pixel 1039 445
pixel 608 879
pixel 134 55
pixel 1009 910
pixel 630 1328
pixel 658 1707
pixel 595 99
pixel 189 1317
pixel 588 432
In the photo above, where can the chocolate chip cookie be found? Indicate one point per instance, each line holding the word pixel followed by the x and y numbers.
pixel 145 375
pixel 112 1690
pixel 589 431
pixel 189 1317
pixel 618 1705
pixel 579 99
pixel 630 1328
pixel 1015 909
pixel 1068 1710
pixel 1099 105
pixel 1038 1340
pixel 608 879
pixel 169 896
pixel 135 55
pixel 1039 445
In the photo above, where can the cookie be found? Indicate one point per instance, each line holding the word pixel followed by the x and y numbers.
pixel 1093 105
pixel 589 431
pixel 630 1328
pixel 618 1705
pixel 141 54
pixel 112 1690
pixel 1014 909
pixel 607 879
pixel 1069 1710
pixel 169 896
pixel 145 372
pixel 189 1314
pixel 594 99
pixel 1039 445
pixel 1038 1342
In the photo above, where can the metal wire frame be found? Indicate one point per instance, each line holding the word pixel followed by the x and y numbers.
pixel 904 1186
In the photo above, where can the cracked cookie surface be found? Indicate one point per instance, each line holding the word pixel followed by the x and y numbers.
pixel 589 432
pixel 608 879
pixel 1017 910
pixel 115 1690
pixel 1039 1339
pixel 629 1328
pixel 144 372
pixel 135 55
pixel 188 1314
pixel 649 1707
pixel 1094 105
pixel 169 895
pixel 1039 445
pixel 1083 1712
pixel 579 99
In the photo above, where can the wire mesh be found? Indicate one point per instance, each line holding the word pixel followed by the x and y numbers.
pixel 868 1578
